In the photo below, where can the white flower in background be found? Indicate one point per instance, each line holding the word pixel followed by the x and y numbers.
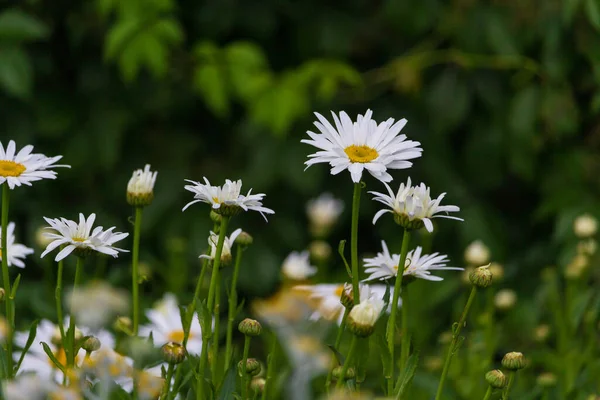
pixel 16 251
pixel 108 368
pixel 385 265
pixel 149 385
pixel 227 199
pixel 297 266
pixel 38 362
pixel 165 325
pixel 585 226
pixel 213 240
pixel 361 145
pixel 505 299
pixel 140 189
pixel 363 317
pixel 412 206
pixel 477 253
pixel 323 212
pixel 97 303
pixel 28 387
pixel 24 167
pixel 80 237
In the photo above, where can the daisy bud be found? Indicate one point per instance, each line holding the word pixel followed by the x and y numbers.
pixel 320 250
pixel 585 226
pixel 481 277
pixel 513 361
pixel 244 239
pixel 477 253
pixel 215 217
pixel 258 385
pixel 91 343
pixel 337 373
pixel 252 367
pixel 363 317
pixel 123 324
pixel 496 379
pixel 173 353
pixel 347 297
pixel 250 327
pixel 2 294
pixel 505 299
pixel 546 380
pixel 140 189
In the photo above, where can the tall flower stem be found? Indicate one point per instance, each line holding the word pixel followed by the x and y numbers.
pixel 135 280
pixel 488 393
pixel 348 362
pixel 210 306
pixel 8 300
pixel 391 328
pixel 245 377
pixel 354 241
pixel 217 327
pixel 232 308
pixel 338 340
pixel 167 387
pixel 58 298
pixel 405 344
pixel 511 380
pixel 71 331
pixel 455 336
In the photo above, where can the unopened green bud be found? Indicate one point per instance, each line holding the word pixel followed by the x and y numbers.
pixel 337 373
pixel 91 343
pixel 244 239
pixel 513 361
pixel 215 217
pixel 252 367
pixel 258 385
pixel 173 353
pixel 496 379
pixel 481 277
pixel 250 327
pixel 546 380
pixel 2 294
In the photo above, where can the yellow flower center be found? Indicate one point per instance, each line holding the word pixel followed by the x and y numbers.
pixel 78 239
pixel 361 154
pixel 61 357
pixel 177 336
pixel 216 200
pixel 339 290
pixel 11 168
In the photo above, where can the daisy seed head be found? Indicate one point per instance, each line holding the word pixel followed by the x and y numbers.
pixel 513 361
pixel 173 352
pixel 250 327
pixel 252 367
pixel 496 379
pixel 481 277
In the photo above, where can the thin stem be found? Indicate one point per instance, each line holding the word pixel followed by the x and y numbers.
pixel 71 331
pixel 244 362
pixel 391 328
pixel 232 308
pixel 217 327
pixel 58 298
pixel 8 300
pixel 488 393
pixel 347 363
pixel 455 336
pixel 338 340
pixel 168 381
pixel 134 268
pixel 354 242
pixel 405 344
pixel 270 370
pixel 511 380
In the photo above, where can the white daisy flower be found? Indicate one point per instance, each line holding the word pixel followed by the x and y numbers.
pixel 16 251
pixel 107 367
pixel 363 317
pixel 361 145
pixel 297 266
pixel 412 206
pixel 213 240
pixel 477 253
pixel 28 387
pixel 80 237
pixel 385 265
pixel 227 199
pixel 140 189
pixel 165 325
pixel 323 212
pixel 83 303
pixel 24 167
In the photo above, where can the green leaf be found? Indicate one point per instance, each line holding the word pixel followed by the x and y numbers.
pixel 384 352
pixel 228 387
pixel 30 339
pixel 17 26
pixel 248 70
pixel 13 291
pixel 338 356
pixel 210 79
pixel 407 375
pixel 341 248
pixel 592 9
pixel 16 75
pixel 48 352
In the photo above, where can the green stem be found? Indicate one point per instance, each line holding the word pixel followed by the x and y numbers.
pixel 348 362
pixel 511 380
pixel 338 340
pixel 391 328
pixel 6 281
pixel 210 306
pixel 71 331
pixel 270 369
pixel 405 344
pixel 215 335
pixel 488 393
pixel 232 308
pixel 455 336
pixel 168 381
pixel 354 242
pixel 244 362
pixel 135 280
pixel 58 298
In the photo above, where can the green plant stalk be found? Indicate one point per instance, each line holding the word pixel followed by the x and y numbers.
pixel 245 380
pixel 58 298
pixel 210 306
pixel 169 376
pixel 215 335
pixel 455 336
pixel 71 331
pixel 338 340
pixel 354 242
pixel 511 380
pixel 405 344
pixel 347 363
pixel 135 280
pixel 391 328
pixel 232 308
pixel 270 370
pixel 8 300
pixel 488 393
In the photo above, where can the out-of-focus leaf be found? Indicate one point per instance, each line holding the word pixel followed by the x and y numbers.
pixel 17 26
pixel 16 75
pixel 210 78
pixel 592 9
pixel 570 8
pixel 407 375
pixel 248 70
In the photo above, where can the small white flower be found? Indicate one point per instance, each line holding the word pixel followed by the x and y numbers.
pixel 97 303
pixel 16 251
pixel 505 299
pixel 323 212
pixel 28 387
pixel 385 265
pixel 585 226
pixel 165 325
pixel 24 167
pixel 140 189
pixel 297 266
pixel 227 199
pixel 412 206
pixel 79 236
pixel 213 240
pixel 108 368
pixel 363 317
pixel 361 145
pixel 477 253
